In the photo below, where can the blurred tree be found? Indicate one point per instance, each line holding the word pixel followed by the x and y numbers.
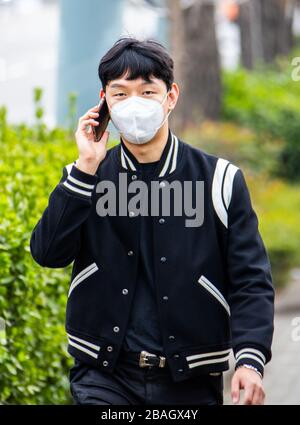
pixel 266 29
pixel 176 42
pixel 277 19
pixel 251 33
pixel 197 65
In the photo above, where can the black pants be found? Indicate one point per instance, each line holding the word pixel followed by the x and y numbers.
pixel 130 384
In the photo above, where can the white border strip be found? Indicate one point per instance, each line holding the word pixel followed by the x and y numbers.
pixel 250 356
pixel 217 190
pixel 174 161
pixel 228 183
pixel 215 292
pixel 80 183
pixel 84 342
pixel 79 347
pixel 123 162
pixel 251 350
pixel 129 160
pixel 167 161
pixel 83 271
pixel 78 279
pixel 69 167
pixel 204 362
pixel 211 354
pixel 74 189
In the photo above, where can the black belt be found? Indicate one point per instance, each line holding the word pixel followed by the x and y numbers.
pixel 145 359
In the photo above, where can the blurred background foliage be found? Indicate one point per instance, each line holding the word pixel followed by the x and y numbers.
pixel 249 115
pixel 267 101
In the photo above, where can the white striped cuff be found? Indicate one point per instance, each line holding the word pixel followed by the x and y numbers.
pixel 80 182
pixel 251 356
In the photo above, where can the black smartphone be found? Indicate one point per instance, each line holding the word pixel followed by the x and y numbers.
pixel 103 119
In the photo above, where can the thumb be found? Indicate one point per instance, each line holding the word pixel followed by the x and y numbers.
pixel 235 389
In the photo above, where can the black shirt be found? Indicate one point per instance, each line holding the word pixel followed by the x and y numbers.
pixel 143 331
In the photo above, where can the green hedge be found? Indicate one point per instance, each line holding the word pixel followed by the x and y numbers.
pixel 34 362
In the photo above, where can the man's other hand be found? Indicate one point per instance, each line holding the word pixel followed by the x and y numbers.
pixel 251 383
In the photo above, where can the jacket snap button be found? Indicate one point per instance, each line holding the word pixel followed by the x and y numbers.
pixel 124 291
pixel 165 297
pixel 130 253
pixel 109 348
pixel 116 328
pixel 180 370
pixel 161 221
pixel 163 259
pixel 172 337
pixel 133 177
pixel 176 356
pixel 105 363
pixel 131 213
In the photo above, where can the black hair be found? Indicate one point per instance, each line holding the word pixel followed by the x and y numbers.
pixel 139 58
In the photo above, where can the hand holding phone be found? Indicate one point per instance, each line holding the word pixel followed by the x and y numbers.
pixel 90 153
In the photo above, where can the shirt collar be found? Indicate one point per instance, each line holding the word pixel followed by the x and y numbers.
pixel 168 160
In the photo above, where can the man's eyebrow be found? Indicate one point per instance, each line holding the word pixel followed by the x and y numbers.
pixel 117 85
pixel 120 85
pixel 149 82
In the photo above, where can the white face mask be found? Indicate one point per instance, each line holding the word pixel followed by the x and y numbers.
pixel 138 119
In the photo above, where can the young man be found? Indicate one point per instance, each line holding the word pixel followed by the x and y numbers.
pixel 157 299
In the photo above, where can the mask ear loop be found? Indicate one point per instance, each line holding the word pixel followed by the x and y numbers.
pixel 166 117
pixel 165 97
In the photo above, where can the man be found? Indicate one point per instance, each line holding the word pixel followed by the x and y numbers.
pixel 157 299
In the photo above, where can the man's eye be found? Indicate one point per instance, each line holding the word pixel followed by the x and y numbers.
pixel 118 94
pixel 149 91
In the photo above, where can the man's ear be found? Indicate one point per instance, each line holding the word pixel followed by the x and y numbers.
pixel 174 94
pixel 101 94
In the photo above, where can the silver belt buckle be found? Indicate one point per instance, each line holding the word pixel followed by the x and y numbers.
pixel 144 356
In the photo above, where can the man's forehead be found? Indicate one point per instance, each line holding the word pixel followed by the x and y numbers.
pixel 122 82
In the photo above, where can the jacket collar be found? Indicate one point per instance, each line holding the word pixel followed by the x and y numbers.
pixel 167 163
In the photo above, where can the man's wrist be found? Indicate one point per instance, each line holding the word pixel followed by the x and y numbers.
pixel 248 366
pixel 252 356
pixel 89 167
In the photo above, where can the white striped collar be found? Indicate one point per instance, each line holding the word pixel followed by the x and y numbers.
pixel 167 163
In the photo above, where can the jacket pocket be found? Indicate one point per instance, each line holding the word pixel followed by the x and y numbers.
pixel 206 284
pixel 84 274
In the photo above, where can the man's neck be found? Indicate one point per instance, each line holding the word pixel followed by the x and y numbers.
pixel 152 150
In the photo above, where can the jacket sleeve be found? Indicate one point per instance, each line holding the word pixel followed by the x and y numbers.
pixel 251 291
pixel 55 239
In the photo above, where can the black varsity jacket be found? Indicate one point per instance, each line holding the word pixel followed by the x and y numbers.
pixel 213 281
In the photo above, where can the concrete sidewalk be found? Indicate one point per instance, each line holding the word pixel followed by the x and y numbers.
pixel 282 374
